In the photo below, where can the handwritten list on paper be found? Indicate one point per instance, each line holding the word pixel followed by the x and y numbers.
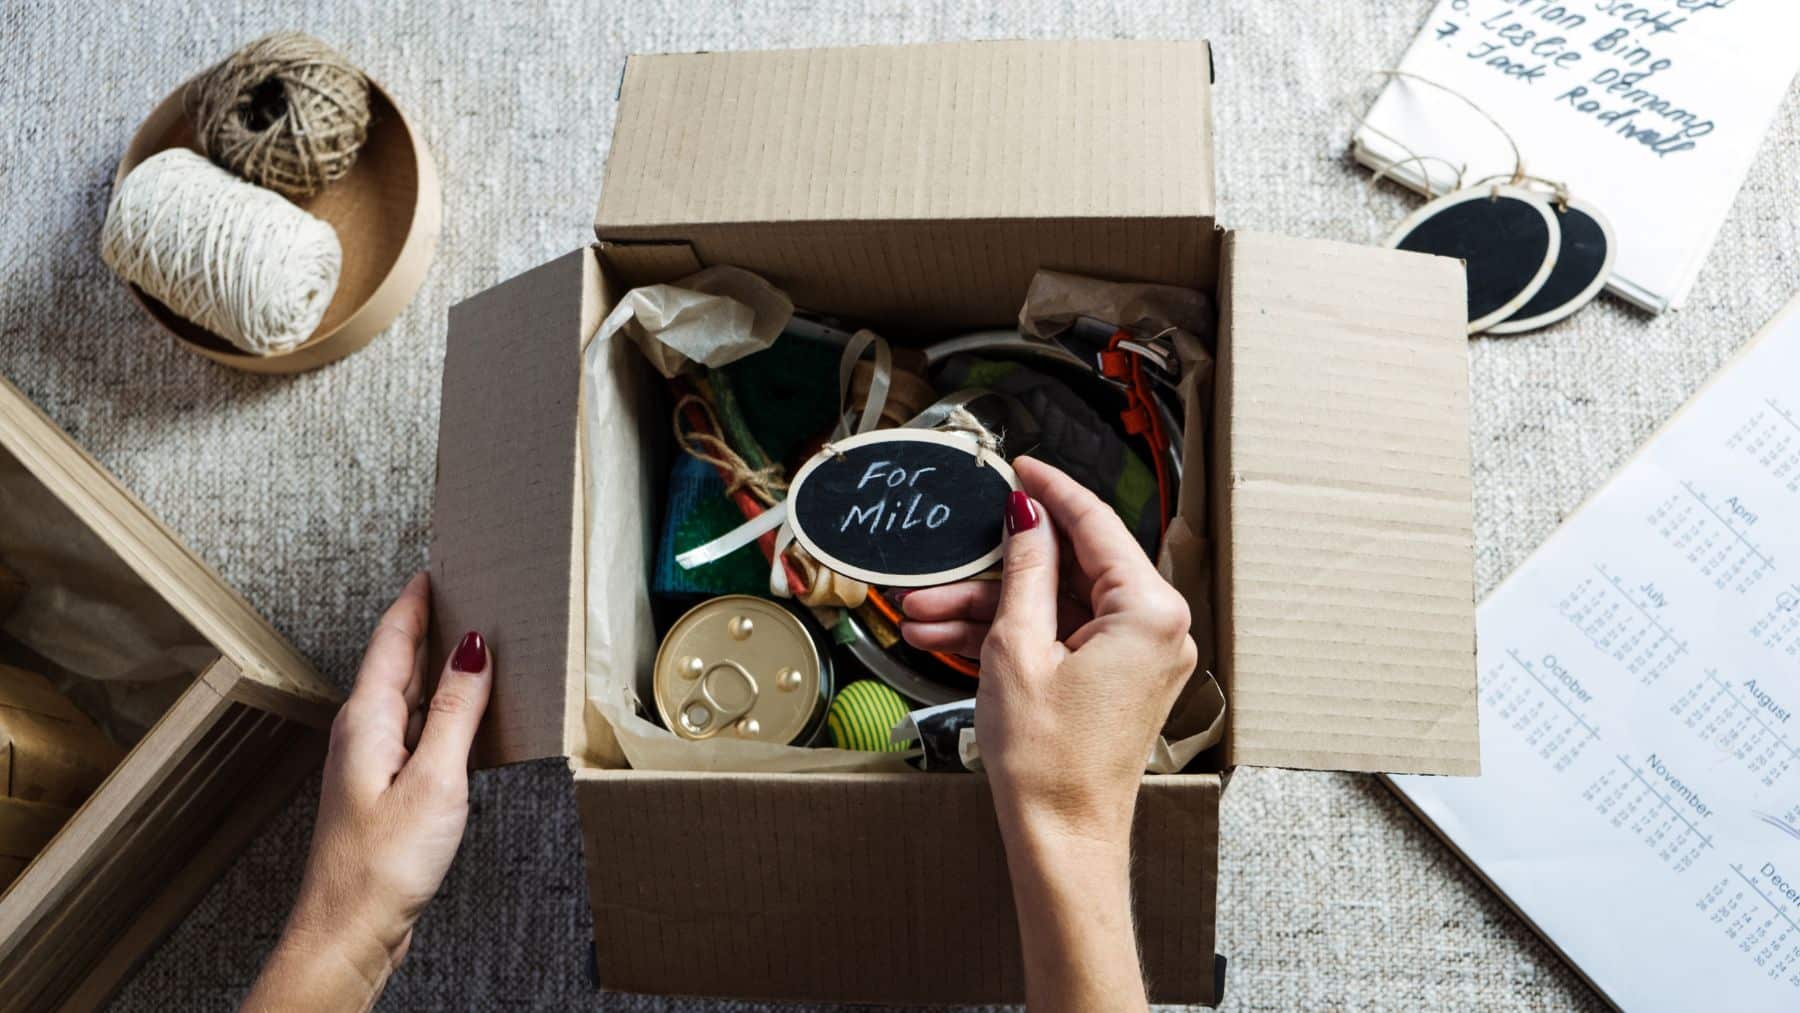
pixel 1639 677
pixel 1653 111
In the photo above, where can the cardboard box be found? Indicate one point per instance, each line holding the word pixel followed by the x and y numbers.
pixel 917 189
pixel 136 857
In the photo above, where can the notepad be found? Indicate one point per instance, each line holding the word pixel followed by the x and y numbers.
pixel 1639 802
pixel 1651 109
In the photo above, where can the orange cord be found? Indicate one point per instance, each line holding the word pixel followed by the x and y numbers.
pixel 952 661
pixel 1140 416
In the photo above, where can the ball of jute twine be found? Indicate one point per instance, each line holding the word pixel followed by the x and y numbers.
pixel 287 112
pixel 237 259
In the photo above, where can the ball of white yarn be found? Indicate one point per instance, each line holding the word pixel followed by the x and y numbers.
pixel 238 260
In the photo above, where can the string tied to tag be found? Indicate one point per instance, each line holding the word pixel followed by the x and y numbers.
pixel 768 484
pixel 961 420
pixel 1516 177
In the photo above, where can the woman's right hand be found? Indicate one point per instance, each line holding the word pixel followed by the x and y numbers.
pixel 1084 648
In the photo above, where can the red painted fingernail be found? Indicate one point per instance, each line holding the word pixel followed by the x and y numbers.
pixel 471 654
pixel 1021 513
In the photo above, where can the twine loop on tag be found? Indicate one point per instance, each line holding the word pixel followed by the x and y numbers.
pixel 767 484
pixel 1362 122
pixel 962 420
pixel 1517 177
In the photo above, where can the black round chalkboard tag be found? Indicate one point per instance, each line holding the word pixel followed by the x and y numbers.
pixel 1583 263
pixel 902 507
pixel 1507 237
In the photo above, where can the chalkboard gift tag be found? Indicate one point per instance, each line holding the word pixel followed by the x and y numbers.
pixel 903 507
pixel 1506 235
pixel 1583 263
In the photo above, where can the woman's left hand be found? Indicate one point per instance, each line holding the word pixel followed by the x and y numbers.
pixel 391 815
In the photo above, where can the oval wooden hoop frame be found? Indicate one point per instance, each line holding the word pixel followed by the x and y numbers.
pixel 1586 295
pixel 387 288
pixel 960 441
pixel 1467 194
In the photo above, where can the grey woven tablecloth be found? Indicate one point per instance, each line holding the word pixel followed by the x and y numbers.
pixel 313 494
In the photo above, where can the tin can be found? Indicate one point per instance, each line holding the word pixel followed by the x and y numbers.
pixel 743 666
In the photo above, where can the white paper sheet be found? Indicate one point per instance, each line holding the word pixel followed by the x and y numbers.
pixel 1651 109
pixel 1640 676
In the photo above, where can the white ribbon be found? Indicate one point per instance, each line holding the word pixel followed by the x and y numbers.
pixel 735 539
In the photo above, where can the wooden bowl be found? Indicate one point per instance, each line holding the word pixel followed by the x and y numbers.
pixel 386 212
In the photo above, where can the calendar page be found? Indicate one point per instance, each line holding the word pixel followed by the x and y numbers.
pixel 1639 800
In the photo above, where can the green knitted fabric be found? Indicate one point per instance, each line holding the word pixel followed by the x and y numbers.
pixel 786 394
pixel 698 512
pixel 769 405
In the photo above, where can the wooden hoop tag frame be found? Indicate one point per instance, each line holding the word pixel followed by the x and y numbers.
pixel 960 441
pixel 1588 293
pixel 1489 192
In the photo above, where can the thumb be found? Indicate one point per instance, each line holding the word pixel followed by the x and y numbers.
pixel 1026 614
pixel 456 706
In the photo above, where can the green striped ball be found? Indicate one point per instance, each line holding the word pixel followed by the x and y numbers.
pixel 863 714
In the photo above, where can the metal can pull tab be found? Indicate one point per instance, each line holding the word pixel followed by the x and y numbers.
pixel 722 698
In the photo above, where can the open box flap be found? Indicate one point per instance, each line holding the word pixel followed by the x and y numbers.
pixel 888 888
pixel 216 611
pixel 506 544
pixel 984 161
pixel 1344 508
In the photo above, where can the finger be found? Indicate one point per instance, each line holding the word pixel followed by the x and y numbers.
pixel 368 737
pixel 969 599
pixel 393 651
pixel 456 708
pixel 1105 552
pixel 1026 610
pixel 951 636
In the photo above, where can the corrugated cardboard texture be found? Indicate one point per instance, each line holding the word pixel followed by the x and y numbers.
pixel 504 550
pixel 1347 633
pixel 984 161
pixel 889 888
